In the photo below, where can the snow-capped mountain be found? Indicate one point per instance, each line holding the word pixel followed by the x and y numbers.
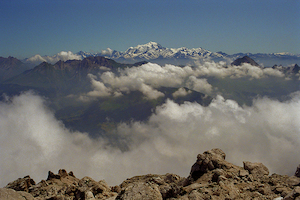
pixel 154 52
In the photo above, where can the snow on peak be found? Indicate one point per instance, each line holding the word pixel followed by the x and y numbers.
pixel 154 50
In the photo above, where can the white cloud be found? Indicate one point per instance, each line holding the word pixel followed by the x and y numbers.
pixel 181 92
pixel 107 52
pixel 222 70
pixel 148 78
pixel 100 90
pixel 32 141
pixel 63 55
pixel 199 85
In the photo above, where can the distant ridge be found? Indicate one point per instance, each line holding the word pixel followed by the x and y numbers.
pixel 155 52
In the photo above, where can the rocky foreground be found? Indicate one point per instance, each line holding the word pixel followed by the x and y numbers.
pixel 211 177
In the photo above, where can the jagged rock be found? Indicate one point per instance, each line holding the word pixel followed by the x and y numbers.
pixel 208 161
pixel 211 177
pixel 256 169
pixel 297 173
pixel 51 176
pixel 21 184
pixel 10 194
pixel 65 186
pixel 294 195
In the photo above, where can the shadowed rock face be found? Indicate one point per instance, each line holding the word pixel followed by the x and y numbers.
pixel 245 59
pixel 211 177
pixel 297 173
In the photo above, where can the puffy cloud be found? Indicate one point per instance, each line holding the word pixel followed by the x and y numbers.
pixel 199 85
pixel 267 132
pixel 222 70
pixel 148 78
pixel 63 55
pixel 107 52
pixel 32 141
pixel 100 90
pixel 181 92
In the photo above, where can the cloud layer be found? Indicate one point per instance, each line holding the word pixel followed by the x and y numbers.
pixel 32 141
pixel 148 78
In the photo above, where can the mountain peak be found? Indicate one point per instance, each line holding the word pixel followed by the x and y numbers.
pixel 245 59
pixel 142 48
pixel 152 45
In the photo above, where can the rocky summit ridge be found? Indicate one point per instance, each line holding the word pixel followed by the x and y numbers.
pixel 211 177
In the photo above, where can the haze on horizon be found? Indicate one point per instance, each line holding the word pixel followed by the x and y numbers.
pixel 48 27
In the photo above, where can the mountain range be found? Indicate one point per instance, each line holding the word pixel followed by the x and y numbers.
pixel 71 86
pixel 154 52
pixel 64 82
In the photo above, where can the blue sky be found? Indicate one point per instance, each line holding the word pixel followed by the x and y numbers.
pixel 47 27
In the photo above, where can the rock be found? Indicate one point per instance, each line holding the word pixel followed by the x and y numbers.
pixel 192 187
pixel 140 190
pixel 207 161
pixel 21 184
pixel 194 195
pixel 256 169
pixel 51 176
pixel 295 194
pixel 10 194
pixel 211 177
pixel 63 173
pixel 293 181
pixel 297 173
pixel 89 196
pixel 156 186
pixel 278 198
pixel 243 173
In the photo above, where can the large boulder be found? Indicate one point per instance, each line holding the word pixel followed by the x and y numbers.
pixel 256 169
pixel 10 194
pixel 151 187
pixel 208 161
pixel 140 190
